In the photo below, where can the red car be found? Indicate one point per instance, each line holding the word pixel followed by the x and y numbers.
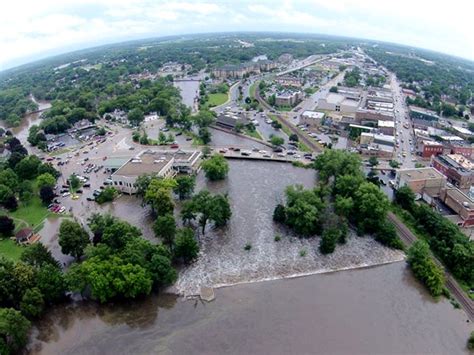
pixel 174 146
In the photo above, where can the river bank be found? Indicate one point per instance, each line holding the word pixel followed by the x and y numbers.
pixel 378 310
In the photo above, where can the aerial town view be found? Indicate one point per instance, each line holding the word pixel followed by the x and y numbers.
pixel 245 190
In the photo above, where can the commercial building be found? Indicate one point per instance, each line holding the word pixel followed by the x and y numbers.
pixel 462 132
pixel 461 204
pixel 339 103
pixel 312 118
pixel 430 148
pixel 462 148
pixel 287 80
pixel 364 116
pixel 457 169
pixel 386 127
pixel 239 70
pixel 423 114
pixel 159 163
pixel 367 138
pixel 421 180
pixel 230 120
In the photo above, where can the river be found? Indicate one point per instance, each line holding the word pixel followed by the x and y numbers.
pixel 379 310
pixel 189 92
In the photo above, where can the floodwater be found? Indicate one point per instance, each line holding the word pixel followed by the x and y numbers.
pixel 189 92
pixel 254 189
pixel 21 131
pixel 379 310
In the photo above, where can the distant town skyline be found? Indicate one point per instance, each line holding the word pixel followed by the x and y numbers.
pixel 32 30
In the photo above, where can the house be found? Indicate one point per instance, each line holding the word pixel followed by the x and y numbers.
pixel 23 235
pixel 159 163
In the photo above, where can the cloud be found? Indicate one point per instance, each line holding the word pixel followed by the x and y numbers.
pixel 30 28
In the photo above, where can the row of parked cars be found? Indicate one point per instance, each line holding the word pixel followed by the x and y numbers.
pixel 56 208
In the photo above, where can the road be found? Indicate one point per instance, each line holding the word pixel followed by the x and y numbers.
pixel 458 293
pixel 404 152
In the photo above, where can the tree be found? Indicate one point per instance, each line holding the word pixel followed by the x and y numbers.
pixel 344 206
pixel 9 178
pixel 335 163
pixel 158 195
pixel 165 229
pixel 135 116
pixel 329 240
pixel 279 213
pixel 470 341
pixel 293 137
pixel 204 119
pixel 185 186
pixel 394 164
pixel 74 182
pixel 106 195
pixel 27 168
pixel 405 197
pixel 45 179
pixel 38 255
pixel 205 135
pixel 387 235
pixel 373 161
pixel 32 303
pixel 186 246
pixel 276 141
pixel 216 167
pixel 25 190
pixel 48 168
pixel 7 226
pixel 207 207
pixel 73 239
pixel 14 329
pixel 47 194
pixel 424 268
pixel 371 206
pixel 333 89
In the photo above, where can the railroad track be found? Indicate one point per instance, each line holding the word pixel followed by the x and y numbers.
pixel 303 137
pixel 452 285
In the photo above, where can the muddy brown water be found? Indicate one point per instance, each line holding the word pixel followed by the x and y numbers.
pixel 379 310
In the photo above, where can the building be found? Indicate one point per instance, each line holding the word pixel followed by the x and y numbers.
pixel 312 118
pixel 461 204
pixel 386 127
pixel 367 138
pixel 377 150
pixel 287 80
pixel 462 148
pixel 421 180
pixel 457 169
pixel 462 132
pixel 230 120
pixel 339 103
pixel 159 163
pixel 26 236
pixel 431 148
pixel 423 114
pixel 364 116
pixel 240 70
pixel 288 98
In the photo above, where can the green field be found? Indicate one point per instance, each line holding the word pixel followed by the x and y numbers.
pixel 217 99
pixel 10 249
pixel 32 213
pixel 253 133
pixel 252 89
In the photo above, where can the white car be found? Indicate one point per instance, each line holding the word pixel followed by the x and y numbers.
pixel 262 151
pixel 66 194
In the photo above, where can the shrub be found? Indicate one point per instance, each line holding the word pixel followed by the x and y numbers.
pixel 248 246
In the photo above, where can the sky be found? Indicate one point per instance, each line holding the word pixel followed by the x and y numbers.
pixel 33 29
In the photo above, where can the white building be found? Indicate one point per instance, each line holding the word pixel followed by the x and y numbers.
pixel 159 163
pixel 339 103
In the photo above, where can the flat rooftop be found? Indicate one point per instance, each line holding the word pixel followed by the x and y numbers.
pixel 420 174
pixel 462 161
pixel 423 111
pixel 387 124
pixel 460 197
pixel 313 114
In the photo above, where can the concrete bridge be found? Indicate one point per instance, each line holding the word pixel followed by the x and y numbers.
pixel 246 154
pixel 186 79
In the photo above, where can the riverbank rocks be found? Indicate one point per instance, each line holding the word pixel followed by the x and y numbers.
pixel 207 294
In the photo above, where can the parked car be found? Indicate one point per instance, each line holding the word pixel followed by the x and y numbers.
pixel 174 146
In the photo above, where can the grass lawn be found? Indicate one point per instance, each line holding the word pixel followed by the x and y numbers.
pixel 10 250
pixel 303 147
pixel 32 213
pixel 253 134
pixel 252 89
pixel 217 99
